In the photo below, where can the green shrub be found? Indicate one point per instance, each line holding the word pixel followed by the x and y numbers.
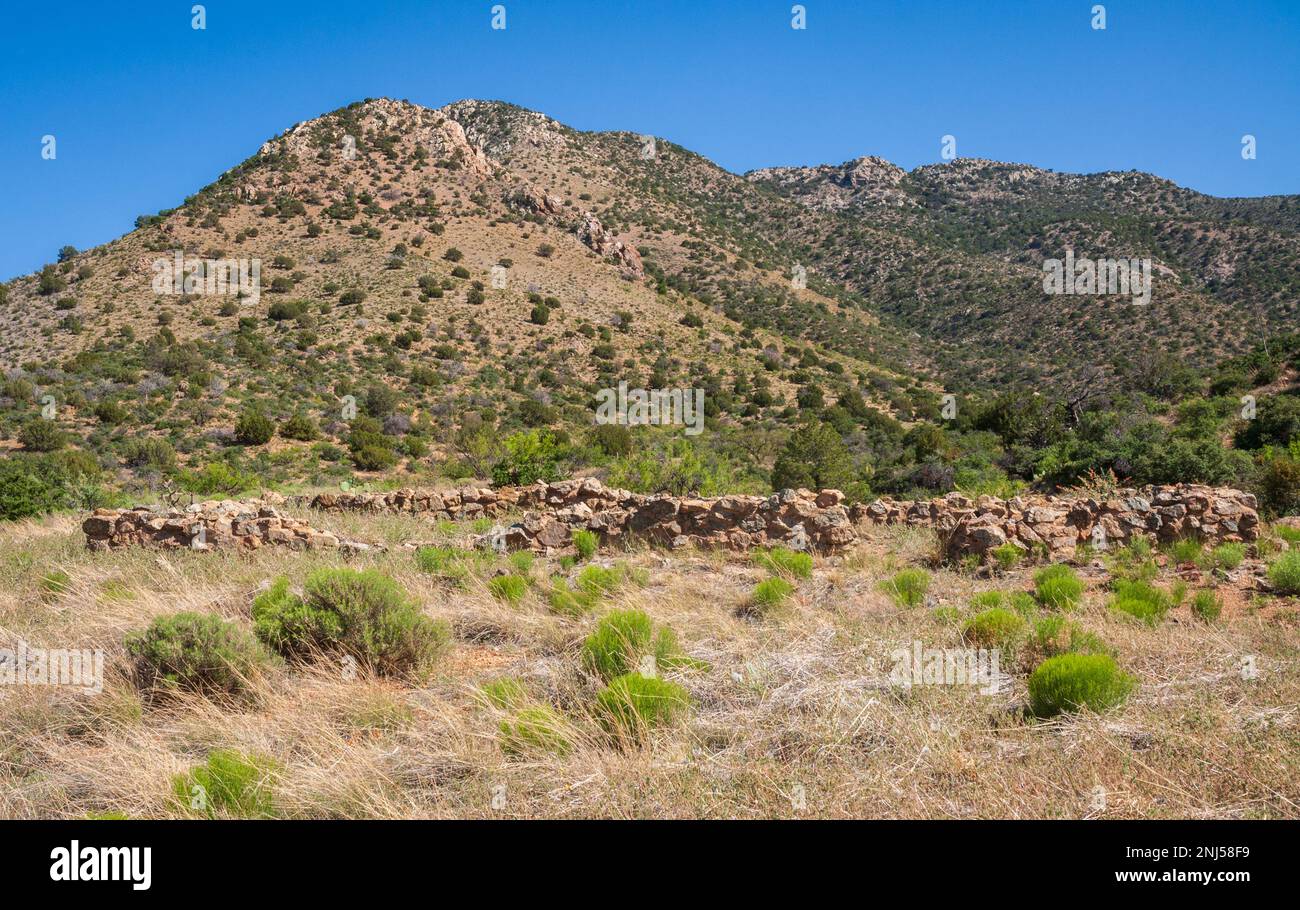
pixel 633 704
pixel 219 478
pixel 986 600
pixel 1284 572
pixel 529 457
pixel 1140 600
pixel 1057 587
pixel 586 543
pixel 1206 605
pixel 1286 532
pixel 149 452
pixel 908 587
pixel 994 628
pixel 362 613
pixel 1186 550
pixel 253 428
pixel 567 603
pixel 769 594
pixel 785 562
pixel 1070 682
pixel 1007 556
pixel 521 562
pixel 1227 556
pixel 196 652
pixel 299 427
pixel 508 588
pixel 623 638
pixel 533 729
pixel 1023 602
pixel 229 785
pixel 599 581
pixel 41 435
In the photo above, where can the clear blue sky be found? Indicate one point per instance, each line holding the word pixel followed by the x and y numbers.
pixel 146 110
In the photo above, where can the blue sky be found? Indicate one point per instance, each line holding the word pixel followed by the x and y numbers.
pixel 145 109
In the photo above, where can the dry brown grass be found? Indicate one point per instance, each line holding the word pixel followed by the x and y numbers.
pixel 794 717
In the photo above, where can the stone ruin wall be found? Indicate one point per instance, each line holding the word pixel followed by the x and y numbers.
pixel 802 519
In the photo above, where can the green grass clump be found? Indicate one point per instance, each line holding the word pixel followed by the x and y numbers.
pixel 508 588
pixel 586 542
pixel 1286 532
pixel 1023 602
pixel 997 627
pixel 196 652
pixel 506 692
pixel 521 562
pixel 1053 634
pixel 1007 556
pixel 1284 572
pixel 1070 682
pixel 769 594
pixel 361 613
pixel 599 581
pixel 1188 549
pixel 533 729
pixel 623 638
pixel 908 587
pixel 1227 556
pixel 784 562
pixel 632 704
pixel 1206 605
pixel 229 785
pixel 54 583
pixel 449 563
pixel 1057 587
pixel 1140 600
pixel 987 600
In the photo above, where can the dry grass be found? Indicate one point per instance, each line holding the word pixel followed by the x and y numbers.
pixel 794 717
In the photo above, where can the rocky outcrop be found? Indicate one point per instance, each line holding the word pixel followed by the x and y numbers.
pixel 224 525
pixel 606 244
pixel 1057 524
pixel 532 201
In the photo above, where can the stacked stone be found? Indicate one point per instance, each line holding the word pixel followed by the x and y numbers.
pixel 1059 524
pixel 204 526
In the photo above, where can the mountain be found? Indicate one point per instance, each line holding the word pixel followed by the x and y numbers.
pixel 476 270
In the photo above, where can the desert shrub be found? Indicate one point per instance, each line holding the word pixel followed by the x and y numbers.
pixel 814 457
pixel 33 485
pixel 1227 556
pixel 111 412
pixel 219 478
pixel 299 427
pixel 1206 605
pixel 769 594
pixel 785 562
pixel 41 435
pixel 196 652
pixel 1006 556
pixel 908 587
pixel 449 563
pixel 521 562
pixel 1071 682
pixel 585 542
pixel 1289 534
pixel 508 588
pixel 1279 486
pixel 1057 587
pixel 1284 572
pixel 994 628
pixel 987 600
pixel 1053 634
pixel 623 638
pixel 529 457
pixel 362 613
pixel 1140 600
pixel 535 728
pixel 149 452
pixel 228 785
pixel 1023 602
pixel 633 704
pixel 253 428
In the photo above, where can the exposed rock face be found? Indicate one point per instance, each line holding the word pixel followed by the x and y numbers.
pixel 1060 524
pixel 553 512
pixel 602 240
pixel 532 201
pixel 212 525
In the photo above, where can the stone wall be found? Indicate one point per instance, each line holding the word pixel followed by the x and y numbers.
pixel 1061 523
pixel 801 519
pixel 227 524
